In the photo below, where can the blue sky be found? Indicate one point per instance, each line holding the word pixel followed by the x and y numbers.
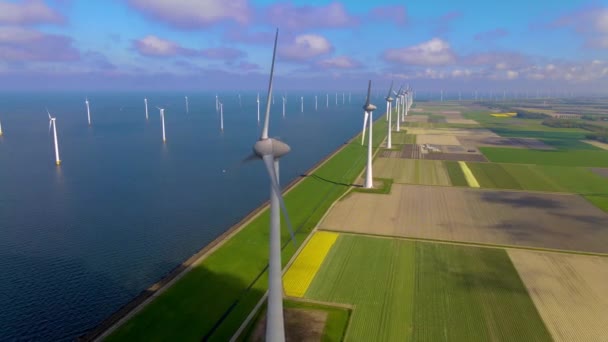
pixel 212 44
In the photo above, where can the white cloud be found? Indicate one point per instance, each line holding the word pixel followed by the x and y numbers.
pixel 433 52
pixel 154 46
pixel 27 12
pixel 306 46
pixel 512 74
pixel 340 62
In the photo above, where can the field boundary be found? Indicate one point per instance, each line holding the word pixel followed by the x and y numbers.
pixel 466 243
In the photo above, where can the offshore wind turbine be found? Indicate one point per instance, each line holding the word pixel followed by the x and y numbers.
pixel 221 116
pixel 316 103
pixel 336 99
pixel 302 104
pixel 369 109
pixel 349 94
pixel 343 98
pixel 240 103
pixel 389 99
pixel 270 150
pixel 284 99
pixel 162 122
pixel 187 107
pixel 258 101
pixel 327 100
pixel 86 102
pixel 53 122
pixel 146 106
pixel 217 103
pixel 1 132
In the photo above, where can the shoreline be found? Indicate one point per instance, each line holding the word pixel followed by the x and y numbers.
pixel 116 319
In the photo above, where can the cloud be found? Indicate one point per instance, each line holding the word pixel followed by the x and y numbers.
pixel 340 62
pixel 194 14
pixel 22 44
pixel 299 18
pixel 511 75
pixel 245 36
pixel 28 12
pixel 153 46
pixel 157 47
pixel 590 22
pixel 223 53
pixel 492 35
pixel 433 52
pixel 306 46
pixel 499 60
pixel 395 13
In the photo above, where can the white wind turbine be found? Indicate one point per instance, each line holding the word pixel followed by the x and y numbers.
pixel 86 102
pixel 187 106
pixel 389 99
pixel 221 116
pixel 343 101
pixel 52 122
pixel 349 97
pixel 146 106
pixel 336 99
pixel 1 132
pixel 162 121
pixel 327 100
pixel 369 109
pixel 316 103
pixel 217 103
pixel 284 100
pixel 398 108
pixel 302 104
pixel 258 101
pixel 270 150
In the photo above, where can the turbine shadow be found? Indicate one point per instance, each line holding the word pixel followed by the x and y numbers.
pixel 315 176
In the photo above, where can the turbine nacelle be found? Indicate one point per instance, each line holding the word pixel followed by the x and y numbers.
pixel 272 147
pixel 369 107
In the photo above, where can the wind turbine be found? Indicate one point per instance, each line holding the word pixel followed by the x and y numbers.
pixel 349 97
pixel 316 103
pixel 53 123
pixel 327 100
pixel 336 99
pixel 270 150
pixel 1 133
pixel 302 104
pixel 284 100
pixel 258 101
pixel 389 99
pixel 221 116
pixel 217 104
pixel 86 102
pixel 369 109
pixel 343 98
pixel 398 100
pixel 187 107
pixel 146 105
pixel 240 103
pixel 162 120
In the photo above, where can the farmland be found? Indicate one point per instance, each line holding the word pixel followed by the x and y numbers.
pixel 516 218
pixel 412 171
pixel 406 290
pixel 590 158
pixel 568 291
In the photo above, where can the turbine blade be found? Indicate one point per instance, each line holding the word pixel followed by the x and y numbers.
pixel 268 98
pixel 50 123
pixel 369 90
pixel 269 163
pixel 249 158
pixel 390 90
pixel 365 117
pixel 47 111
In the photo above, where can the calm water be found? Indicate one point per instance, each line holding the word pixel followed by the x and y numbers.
pixel 81 240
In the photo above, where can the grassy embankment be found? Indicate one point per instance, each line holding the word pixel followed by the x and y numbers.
pixel 213 299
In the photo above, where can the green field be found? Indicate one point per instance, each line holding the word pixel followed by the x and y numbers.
pixel 539 178
pixel 412 171
pixel 457 178
pixel 590 158
pixel 213 299
pixel 418 291
pixel 401 138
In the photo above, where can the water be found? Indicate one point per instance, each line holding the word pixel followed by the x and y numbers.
pixel 79 241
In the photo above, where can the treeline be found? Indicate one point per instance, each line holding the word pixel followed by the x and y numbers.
pixel 522 114
pixel 595 117
pixel 598 133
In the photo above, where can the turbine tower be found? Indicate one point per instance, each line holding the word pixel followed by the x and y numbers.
pixel 187 107
pixel 86 102
pixel 398 107
pixel 302 104
pixel 53 122
pixel 270 150
pixel 1 133
pixel 369 109
pixel 146 106
pixel 316 103
pixel 327 100
pixel 217 104
pixel 258 101
pixel 284 99
pixel 389 99
pixel 162 121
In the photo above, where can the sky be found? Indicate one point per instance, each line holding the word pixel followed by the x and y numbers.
pixel 466 45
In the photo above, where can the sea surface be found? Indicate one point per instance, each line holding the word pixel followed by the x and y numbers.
pixel 80 240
